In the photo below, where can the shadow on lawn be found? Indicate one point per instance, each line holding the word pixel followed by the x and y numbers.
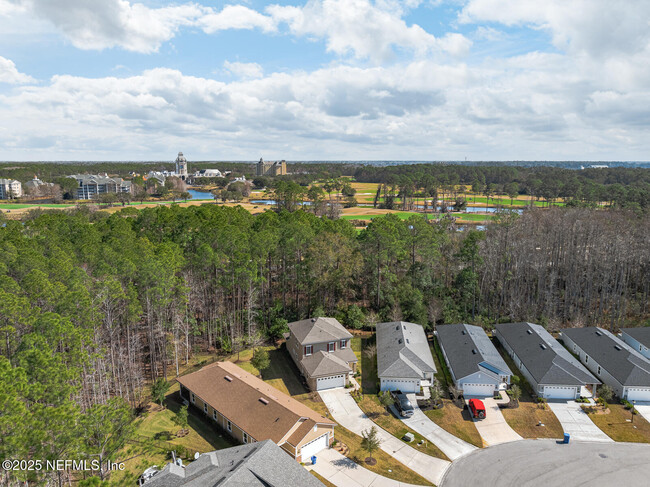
pixel 282 367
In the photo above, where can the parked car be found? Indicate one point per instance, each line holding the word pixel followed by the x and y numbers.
pixel 477 408
pixel 402 404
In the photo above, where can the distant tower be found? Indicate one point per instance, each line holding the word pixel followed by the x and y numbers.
pixel 181 166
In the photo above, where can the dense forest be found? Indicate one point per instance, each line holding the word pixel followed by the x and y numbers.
pixel 94 306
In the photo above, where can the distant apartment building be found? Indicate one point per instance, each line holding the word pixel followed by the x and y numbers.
pixel 277 168
pixel 10 189
pixel 36 184
pixel 91 185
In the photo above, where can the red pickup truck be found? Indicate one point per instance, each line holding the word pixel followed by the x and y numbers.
pixel 477 408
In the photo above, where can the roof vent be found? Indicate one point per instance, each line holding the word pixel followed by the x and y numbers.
pixel 617 347
pixel 599 333
pixel 399 340
pixel 313 320
pixel 407 341
pixel 543 346
pixel 473 351
pixel 264 401
pixel 530 332
pixel 464 332
pixel 228 378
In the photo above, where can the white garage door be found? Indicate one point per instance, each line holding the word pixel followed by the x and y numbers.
pixel 330 382
pixel 404 385
pixel 478 390
pixel 638 394
pixel 313 447
pixel 559 392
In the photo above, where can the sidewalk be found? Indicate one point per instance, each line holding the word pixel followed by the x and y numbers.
pixel 343 472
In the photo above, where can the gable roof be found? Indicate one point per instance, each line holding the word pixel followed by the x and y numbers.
pixel 250 403
pixel 322 364
pixel 640 334
pixel 403 351
pixel 261 464
pixel 620 360
pixel 546 360
pixel 318 330
pixel 468 350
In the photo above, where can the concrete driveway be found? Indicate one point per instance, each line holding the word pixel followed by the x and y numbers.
pixel 343 472
pixel 348 414
pixel 531 463
pixel 494 429
pixel 576 422
pixel 643 408
pixel 450 445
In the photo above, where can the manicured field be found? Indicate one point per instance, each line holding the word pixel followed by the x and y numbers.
pixel 20 206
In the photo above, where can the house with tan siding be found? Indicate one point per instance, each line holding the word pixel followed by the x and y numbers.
pixel 251 410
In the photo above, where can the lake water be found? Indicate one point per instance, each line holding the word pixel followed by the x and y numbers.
pixel 477 209
pixel 200 195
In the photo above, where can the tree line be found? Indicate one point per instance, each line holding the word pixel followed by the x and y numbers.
pixel 95 306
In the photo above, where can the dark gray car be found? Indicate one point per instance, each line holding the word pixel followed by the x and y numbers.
pixel 402 404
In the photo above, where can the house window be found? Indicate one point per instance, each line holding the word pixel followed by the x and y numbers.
pixel 309 350
pixel 331 347
pixel 229 426
pixel 344 344
pixel 245 438
pixel 193 398
pixel 599 370
pixel 586 358
pixel 205 408
pixel 214 414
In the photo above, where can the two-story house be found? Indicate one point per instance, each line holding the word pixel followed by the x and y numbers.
pixel 320 347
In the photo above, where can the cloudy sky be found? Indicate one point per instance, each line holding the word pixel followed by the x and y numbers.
pixel 325 79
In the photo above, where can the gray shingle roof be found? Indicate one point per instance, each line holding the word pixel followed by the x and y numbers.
pixel 546 360
pixel 329 363
pixel 318 330
pixel 624 363
pixel 640 334
pixel 403 351
pixel 262 464
pixel 469 350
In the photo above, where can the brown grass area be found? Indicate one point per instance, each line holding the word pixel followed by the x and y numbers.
pixel 456 421
pixel 323 480
pixel 617 426
pixel 375 411
pixel 524 420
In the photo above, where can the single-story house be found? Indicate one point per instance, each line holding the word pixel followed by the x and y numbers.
pixel 250 410
pixel 638 339
pixel 550 369
pixel 613 361
pixel 260 464
pixel 321 349
pixel 474 363
pixel 404 360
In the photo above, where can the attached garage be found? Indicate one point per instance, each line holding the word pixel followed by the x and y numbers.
pixel 323 383
pixel 313 447
pixel 560 392
pixel 483 390
pixel 638 394
pixel 404 385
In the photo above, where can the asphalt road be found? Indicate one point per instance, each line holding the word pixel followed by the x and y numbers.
pixel 546 463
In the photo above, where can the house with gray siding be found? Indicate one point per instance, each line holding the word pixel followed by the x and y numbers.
pixel 550 369
pixel 404 360
pixel 638 339
pixel 475 365
pixel 321 349
pixel 612 360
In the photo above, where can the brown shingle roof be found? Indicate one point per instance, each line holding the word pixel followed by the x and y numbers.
pixel 238 400
pixel 301 432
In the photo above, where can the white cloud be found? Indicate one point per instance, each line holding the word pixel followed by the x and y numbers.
pixel 364 29
pixel 235 17
pixel 244 70
pixel 10 74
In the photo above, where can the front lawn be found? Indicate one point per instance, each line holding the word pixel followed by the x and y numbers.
pixel 386 465
pixel 456 421
pixel 375 411
pixel 618 427
pixel 524 420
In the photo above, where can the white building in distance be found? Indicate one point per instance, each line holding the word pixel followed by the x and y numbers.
pixel 10 189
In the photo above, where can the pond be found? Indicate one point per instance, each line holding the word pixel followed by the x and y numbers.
pixel 478 209
pixel 200 195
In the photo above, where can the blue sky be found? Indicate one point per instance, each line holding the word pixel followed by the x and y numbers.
pixel 325 79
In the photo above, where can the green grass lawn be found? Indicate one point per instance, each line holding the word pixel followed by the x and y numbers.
pixel 374 410
pixel 20 206
pixel 404 215
pixel 369 379
pixel 456 421
pixel 473 217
